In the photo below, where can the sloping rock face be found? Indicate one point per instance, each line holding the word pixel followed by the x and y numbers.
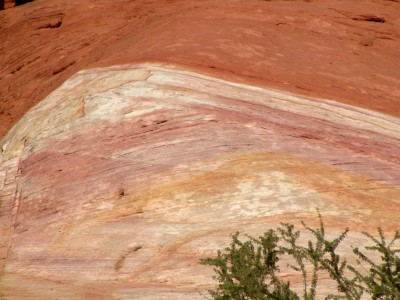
pixel 328 49
pixel 121 179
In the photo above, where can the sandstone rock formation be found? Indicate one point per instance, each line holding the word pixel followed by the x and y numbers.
pixel 137 135
pixel 121 179
pixel 313 48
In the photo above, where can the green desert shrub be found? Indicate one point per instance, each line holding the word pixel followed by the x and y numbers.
pixel 250 268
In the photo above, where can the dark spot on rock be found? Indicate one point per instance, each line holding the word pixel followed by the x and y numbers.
pixel 62 68
pixel 121 193
pixel 17 69
pixel 309 136
pixel 54 24
pixel 123 256
pixel 369 18
pixel 367 42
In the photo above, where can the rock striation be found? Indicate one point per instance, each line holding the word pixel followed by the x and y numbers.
pixel 116 184
pixel 314 48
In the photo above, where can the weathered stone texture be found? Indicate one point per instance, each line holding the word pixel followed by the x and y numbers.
pixel 121 179
pixel 314 48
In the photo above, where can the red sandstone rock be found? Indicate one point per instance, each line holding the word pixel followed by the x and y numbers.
pixel 121 179
pixel 314 48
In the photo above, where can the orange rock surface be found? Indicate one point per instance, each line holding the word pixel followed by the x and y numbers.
pixel 137 135
pixel 319 48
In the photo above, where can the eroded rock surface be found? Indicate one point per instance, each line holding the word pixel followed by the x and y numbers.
pixel 321 48
pixel 121 179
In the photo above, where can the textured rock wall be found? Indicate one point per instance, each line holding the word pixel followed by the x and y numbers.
pixel 121 179
pixel 325 49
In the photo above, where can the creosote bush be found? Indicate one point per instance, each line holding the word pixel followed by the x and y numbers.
pixel 250 269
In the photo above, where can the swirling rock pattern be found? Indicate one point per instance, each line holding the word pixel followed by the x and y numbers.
pixel 121 179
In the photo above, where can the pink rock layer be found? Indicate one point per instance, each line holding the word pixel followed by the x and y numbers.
pixel 116 184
